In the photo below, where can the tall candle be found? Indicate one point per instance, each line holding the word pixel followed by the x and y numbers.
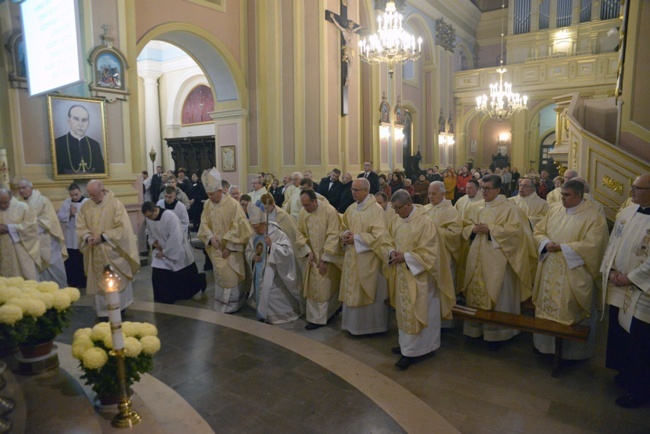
pixel 114 315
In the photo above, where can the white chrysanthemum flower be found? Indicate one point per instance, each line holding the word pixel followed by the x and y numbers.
pixel 10 315
pixel 61 300
pixel 94 358
pixel 45 297
pixel 147 329
pixel 29 305
pixel 73 293
pixel 14 281
pixel 150 345
pixel 86 331
pixel 30 284
pixel 47 286
pixel 131 328
pixel 108 341
pixel 8 292
pixel 79 347
pixel 100 330
pixel 132 347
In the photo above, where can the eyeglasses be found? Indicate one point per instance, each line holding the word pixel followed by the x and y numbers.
pixel 358 189
pixel 397 208
pixel 635 188
pixel 490 188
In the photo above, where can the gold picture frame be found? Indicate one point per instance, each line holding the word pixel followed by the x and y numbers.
pixel 78 140
pixel 228 159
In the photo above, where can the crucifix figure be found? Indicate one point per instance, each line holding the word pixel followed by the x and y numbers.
pixel 348 29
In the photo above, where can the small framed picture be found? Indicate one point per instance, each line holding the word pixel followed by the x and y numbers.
pixel 78 139
pixel 228 160
pixel 109 70
pixel 16 47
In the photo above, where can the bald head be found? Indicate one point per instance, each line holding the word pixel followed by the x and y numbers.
pixel 436 192
pixel 5 199
pixel 96 190
pixel 360 189
pixel 569 174
pixel 640 191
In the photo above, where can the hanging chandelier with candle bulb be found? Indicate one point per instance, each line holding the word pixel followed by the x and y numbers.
pixel 502 102
pixel 391 44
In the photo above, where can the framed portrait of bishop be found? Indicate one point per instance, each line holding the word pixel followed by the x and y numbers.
pixel 77 137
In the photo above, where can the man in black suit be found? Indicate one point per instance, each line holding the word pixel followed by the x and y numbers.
pixel 371 176
pixel 76 153
pixel 345 197
pixel 331 187
pixel 156 183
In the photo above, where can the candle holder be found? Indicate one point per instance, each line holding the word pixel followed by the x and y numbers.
pixel 152 156
pixel 126 416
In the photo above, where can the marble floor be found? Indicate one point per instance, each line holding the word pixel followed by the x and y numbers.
pixel 230 373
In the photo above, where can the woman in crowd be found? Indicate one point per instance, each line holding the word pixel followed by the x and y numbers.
pixel 449 178
pixel 421 187
pixel 397 183
pixel 197 195
pixel 383 186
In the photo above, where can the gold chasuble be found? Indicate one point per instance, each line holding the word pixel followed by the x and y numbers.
pixel 49 222
pixel 226 222
pixel 110 219
pixel 19 259
pixel 510 242
pixel 533 206
pixel 319 231
pixel 448 222
pixel 417 235
pixel 564 288
pixel 360 270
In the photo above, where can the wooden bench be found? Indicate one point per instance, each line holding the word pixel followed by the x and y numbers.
pixel 528 324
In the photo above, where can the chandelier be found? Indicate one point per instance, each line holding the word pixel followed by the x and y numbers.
pixel 502 102
pixel 391 44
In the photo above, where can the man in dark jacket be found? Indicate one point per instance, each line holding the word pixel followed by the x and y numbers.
pixel 345 198
pixel 331 187
pixel 371 176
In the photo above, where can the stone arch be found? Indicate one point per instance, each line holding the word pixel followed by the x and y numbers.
pixel 180 92
pixel 463 57
pixel 224 76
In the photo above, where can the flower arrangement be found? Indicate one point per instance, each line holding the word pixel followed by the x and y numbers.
pixel 92 347
pixel 33 312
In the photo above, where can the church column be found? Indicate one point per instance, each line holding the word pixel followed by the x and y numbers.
pixel 595 10
pixel 552 15
pixel 231 129
pixel 152 115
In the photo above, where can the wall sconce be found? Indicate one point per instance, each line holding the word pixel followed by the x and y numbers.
pixel 446 131
pixel 504 137
pixel 384 132
pixel 399 133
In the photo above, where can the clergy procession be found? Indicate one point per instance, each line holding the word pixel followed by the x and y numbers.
pixel 374 251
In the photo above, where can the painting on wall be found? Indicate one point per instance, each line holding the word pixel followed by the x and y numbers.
pixel 109 70
pixel 228 161
pixel 78 141
pixel 197 106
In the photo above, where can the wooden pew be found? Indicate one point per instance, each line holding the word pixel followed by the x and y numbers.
pixel 528 324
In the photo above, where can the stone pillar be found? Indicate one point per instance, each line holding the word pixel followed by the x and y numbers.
pixel 152 116
pixel 552 15
pixel 595 10
pixel 534 16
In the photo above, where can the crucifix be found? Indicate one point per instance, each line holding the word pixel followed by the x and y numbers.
pixel 348 29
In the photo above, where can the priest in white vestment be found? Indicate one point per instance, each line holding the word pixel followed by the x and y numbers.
pixel 67 214
pixel 626 275
pixel 319 227
pixel 50 234
pixel 225 231
pixel 571 241
pixel 419 279
pixel 500 260
pixel 20 255
pixel 174 274
pixel 269 253
pixel 530 203
pixel 555 195
pixel 106 237
pixel 292 203
pixel 473 189
pixel 364 289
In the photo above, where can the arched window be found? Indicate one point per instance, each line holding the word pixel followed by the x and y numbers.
pixel 197 106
